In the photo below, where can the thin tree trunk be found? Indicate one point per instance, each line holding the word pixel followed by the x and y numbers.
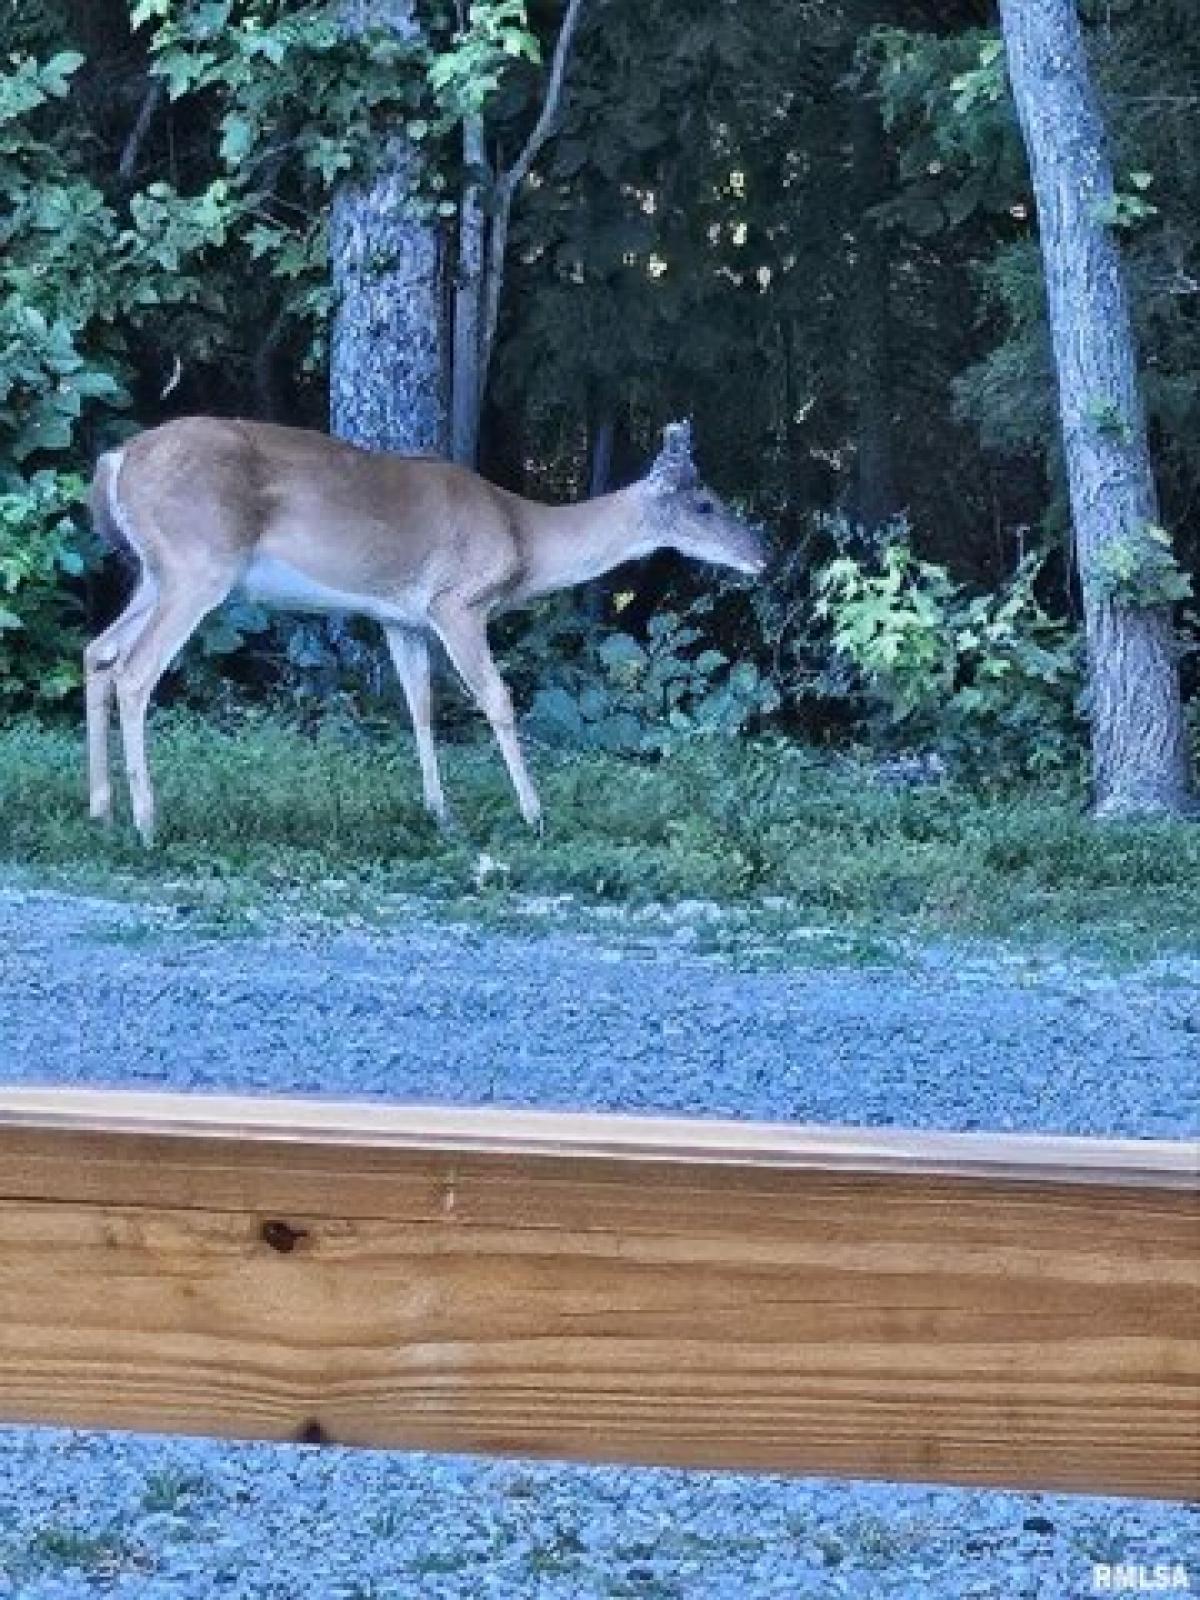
pixel 1139 740
pixel 876 499
pixel 389 355
pixel 508 182
pixel 600 469
pixel 594 595
pixel 466 389
pixel 467 397
pixel 493 279
pixel 267 404
pixel 152 102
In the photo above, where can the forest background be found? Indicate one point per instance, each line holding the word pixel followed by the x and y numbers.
pixel 808 227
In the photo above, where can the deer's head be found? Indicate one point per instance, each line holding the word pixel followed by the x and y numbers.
pixel 681 514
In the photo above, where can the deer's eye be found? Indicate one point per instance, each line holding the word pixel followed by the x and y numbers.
pixel 705 507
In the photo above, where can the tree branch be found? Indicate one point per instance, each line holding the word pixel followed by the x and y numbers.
pixel 508 181
pixel 156 91
pixel 541 130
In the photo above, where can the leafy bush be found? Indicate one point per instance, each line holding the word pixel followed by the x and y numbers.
pixel 990 679
pixel 643 697
pixel 1140 570
pixel 40 545
pixel 56 241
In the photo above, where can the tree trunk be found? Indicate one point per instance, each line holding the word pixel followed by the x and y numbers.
pixel 1139 740
pixel 600 467
pixel 466 390
pixel 594 596
pixel 389 355
pixel 875 496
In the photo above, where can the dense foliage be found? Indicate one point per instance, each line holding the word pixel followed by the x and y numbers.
pixel 807 225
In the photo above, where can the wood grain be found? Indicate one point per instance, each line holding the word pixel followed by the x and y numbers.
pixel 958 1308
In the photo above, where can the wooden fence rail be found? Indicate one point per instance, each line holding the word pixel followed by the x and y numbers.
pixel 959 1308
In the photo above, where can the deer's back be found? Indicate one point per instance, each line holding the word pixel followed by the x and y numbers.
pixel 283 508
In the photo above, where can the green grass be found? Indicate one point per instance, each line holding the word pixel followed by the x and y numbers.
pixel 170 1489
pixel 104 1556
pixel 256 816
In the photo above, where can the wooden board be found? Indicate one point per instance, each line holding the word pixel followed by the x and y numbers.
pixel 970 1309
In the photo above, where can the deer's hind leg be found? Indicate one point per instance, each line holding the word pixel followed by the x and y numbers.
pixel 410 653
pixel 100 660
pixel 181 603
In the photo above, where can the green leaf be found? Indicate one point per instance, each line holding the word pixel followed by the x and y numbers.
pixel 620 650
pixel 147 10
pixel 709 660
pixel 96 385
pixel 623 734
pixel 554 715
pixel 594 702
pixel 237 138
pixel 55 73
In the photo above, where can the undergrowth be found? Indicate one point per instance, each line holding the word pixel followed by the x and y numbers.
pixel 255 810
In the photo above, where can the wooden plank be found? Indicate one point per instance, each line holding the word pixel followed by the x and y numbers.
pixel 967 1308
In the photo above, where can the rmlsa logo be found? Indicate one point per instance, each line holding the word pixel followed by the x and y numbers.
pixel 1165 1577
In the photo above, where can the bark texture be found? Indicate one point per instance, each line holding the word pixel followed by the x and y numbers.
pixel 1139 740
pixel 467 395
pixel 389 348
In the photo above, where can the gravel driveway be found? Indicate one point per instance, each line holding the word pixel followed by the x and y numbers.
pixel 100 993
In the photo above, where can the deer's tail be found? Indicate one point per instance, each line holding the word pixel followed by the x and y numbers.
pixel 110 522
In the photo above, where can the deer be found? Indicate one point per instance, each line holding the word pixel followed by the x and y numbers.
pixel 299 521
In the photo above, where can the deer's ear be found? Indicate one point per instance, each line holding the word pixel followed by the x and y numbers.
pixel 673 467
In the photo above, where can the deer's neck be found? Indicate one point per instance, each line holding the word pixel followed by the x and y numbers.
pixel 566 545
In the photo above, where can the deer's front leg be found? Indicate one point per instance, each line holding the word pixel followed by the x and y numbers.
pixel 464 635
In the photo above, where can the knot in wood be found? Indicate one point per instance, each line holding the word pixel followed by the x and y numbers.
pixel 282 1236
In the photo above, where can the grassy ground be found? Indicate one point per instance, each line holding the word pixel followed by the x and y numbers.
pixel 259 812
